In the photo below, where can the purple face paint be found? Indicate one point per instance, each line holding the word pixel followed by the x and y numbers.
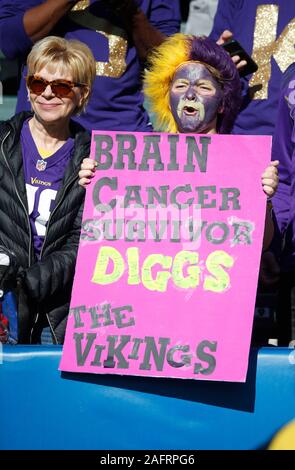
pixel 195 97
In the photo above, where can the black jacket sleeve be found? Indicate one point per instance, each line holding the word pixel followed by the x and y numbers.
pixel 55 272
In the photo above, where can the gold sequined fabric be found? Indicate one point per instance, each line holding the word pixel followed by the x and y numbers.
pixel 116 39
pixel 82 5
pixel 266 45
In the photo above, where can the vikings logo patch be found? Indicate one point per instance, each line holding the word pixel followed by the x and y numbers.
pixel 41 165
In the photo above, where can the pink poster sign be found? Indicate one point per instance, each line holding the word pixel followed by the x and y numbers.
pixel 169 255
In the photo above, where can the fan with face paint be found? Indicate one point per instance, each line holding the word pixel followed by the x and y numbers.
pixel 195 98
pixel 192 85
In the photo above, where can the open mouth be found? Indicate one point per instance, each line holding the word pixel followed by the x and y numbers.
pixel 190 111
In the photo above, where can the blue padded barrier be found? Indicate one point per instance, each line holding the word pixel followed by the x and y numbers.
pixel 43 408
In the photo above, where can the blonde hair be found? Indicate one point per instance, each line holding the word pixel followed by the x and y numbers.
pixel 163 62
pixel 71 55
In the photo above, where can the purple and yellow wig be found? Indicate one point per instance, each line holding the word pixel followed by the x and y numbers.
pixel 173 52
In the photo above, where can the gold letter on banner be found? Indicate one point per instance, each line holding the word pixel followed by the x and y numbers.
pixel 265 46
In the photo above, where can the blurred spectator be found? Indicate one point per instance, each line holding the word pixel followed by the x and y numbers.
pixel 119 35
pixel 266 29
pixel 284 201
pixel 201 16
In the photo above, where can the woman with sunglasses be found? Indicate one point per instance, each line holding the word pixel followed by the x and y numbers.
pixel 40 199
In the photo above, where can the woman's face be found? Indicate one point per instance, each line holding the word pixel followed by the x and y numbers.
pixel 50 108
pixel 195 99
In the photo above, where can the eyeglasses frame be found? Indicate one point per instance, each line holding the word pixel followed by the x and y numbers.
pixel 53 82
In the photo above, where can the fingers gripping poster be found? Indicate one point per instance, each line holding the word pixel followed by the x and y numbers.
pixel 169 254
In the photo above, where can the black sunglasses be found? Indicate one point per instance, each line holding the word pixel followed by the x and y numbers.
pixel 60 87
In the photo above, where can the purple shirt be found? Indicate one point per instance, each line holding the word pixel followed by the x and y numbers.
pixel 43 179
pixel 258 116
pixel 117 99
pixel 284 151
